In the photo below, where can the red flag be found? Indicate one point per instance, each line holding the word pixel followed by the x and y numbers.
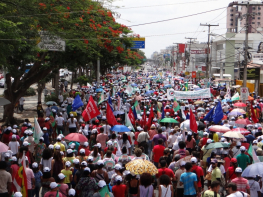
pixel 131 116
pixel 193 125
pixel 150 119
pixel 91 110
pixel 110 116
pixel 143 121
pixel 181 48
pixel 253 115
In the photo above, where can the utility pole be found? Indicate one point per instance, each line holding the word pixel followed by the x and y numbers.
pixel 188 62
pixel 221 67
pixel 208 47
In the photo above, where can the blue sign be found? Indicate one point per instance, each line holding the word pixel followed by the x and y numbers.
pixel 138 45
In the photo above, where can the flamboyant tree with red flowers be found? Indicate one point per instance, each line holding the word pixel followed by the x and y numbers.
pixel 89 30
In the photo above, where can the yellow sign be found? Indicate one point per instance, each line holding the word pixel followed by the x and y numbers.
pixel 187 73
pixel 138 39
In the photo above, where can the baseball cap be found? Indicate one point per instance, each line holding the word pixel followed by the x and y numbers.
pixel 71 115
pixel 109 143
pixel 209 141
pixel 30 132
pixel 76 161
pixel 7 154
pixel 82 151
pixel 255 142
pixel 69 151
pixel 94 131
pixel 102 183
pixel 118 178
pixel 205 133
pixel 44 128
pixel 34 165
pixel 193 160
pixel 13 158
pixel 182 163
pixel 53 185
pixel 41 138
pixel 117 167
pixel 238 143
pixel 87 169
pixel 98 145
pixel 59 138
pixel 214 161
pixel 238 169
pixel 233 160
pixel 57 147
pixel 62 153
pixel 18 194
pixel 84 163
pixel 242 148
pixel 71 192
pixel 90 158
pixel 14 130
pixel 189 133
pixel 47 118
pixel 13 136
pixel 46 169
pixel 86 144
pixel 51 146
pixel 100 162
pixel 61 176
pixel 68 163
pixel 26 143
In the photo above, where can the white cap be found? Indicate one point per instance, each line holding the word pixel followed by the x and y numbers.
pixel 182 163
pixel 82 151
pixel 242 148
pixel 14 131
pixel 46 169
pixel 51 146
pixel 57 147
pixel 224 152
pixel 44 128
pixel 87 169
pixel 68 163
pixel 205 133
pixel 189 133
pixel 255 142
pixel 84 163
pixel 71 115
pixel 76 161
pixel 222 139
pixel 90 158
pixel 100 162
pixel 41 138
pixel 53 185
pixel 238 143
pixel 14 158
pixel 72 145
pixel 109 143
pixel 47 118
pixel 101 183
pixel 118 178
pixel 86 144
pixel 193 160
pixel 61 176
pixel 69 151
pixel 13 136
pixel 153 126
pixel 18 194
pixel 98 145
pixel 34 165
pixel 26 143
pixel 30 132
pixel 62 153
pixel 238 169
pixel 71 192
pixel 94 131
pixel 117 167
pixel 59 138
pixel 209 141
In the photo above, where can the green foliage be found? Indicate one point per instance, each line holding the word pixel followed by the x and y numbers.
pixel 30 92
pixel 51 97
pixel 83 80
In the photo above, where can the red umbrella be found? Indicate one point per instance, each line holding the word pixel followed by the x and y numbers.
pixel 224 117
pixel 220 129
pixel 243 121
pixel 77 137
pixel 241 130
pixel 240 104
pixel 3 147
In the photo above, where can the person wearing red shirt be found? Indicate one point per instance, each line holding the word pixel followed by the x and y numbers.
pixel 199 173
pixel 85 146
pixel 165 170
pixel 119 190
pixel 157 152
pixel 230 173
pixel 136 136
pixel 110 147
pixel 6 136
pixel 23 128
pixel 41 121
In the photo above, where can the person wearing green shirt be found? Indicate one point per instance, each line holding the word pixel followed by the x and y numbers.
pixel 242 159
pixel 216 172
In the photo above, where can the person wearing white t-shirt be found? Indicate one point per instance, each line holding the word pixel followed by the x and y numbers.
pixel 14 145
pixel 125 142
pixel 21 104
pixel 232 190
pixel 72 124
pixel 60 123
pixel 254 187
pixel 60 98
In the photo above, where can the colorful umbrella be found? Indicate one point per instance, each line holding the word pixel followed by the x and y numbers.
pixel 3 147
pixel 253 170
pixel 169 120
pixel 217 145
pixel 250 98
pixel 232 134
pixel 219 128
pixel 198 102
pixel 240 104
pixel 239 110
pixel 234 113
pixel 241 130
pixel 51 103
pixel 120 128
pixel 243 121
pixel 140 166
pixel 77 137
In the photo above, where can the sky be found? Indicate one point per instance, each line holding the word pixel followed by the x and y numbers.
pixel 160 35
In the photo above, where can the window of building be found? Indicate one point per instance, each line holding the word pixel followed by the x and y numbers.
pixel 253 17
pixel 231 24
pixel 258 18
pixel 254 8
pixel 259 13
pixel 231 10
pixel 231 14
pixel 259 8
pixel 231 19
pixel 258 23
pixel 253 22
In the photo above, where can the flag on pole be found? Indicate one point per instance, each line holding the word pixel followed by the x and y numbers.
pixel 20 180
pixel 252 153
pixel 37 131
pixel 193 124
pixel 128 121
pixel 176 105
pixel 228 94
pixel 76 103
pixel 91 110
pixel 218 114
pixel 137 108
pixel 150 118
pixel 134 113
pixel 110 103
pixel 159 114
pixel 163 115
pixel 253 115
pixel 101 99
pixel 186 86
pixel 110 116
pixel 143 121
pixel 131 116
pixel 183 114
pixel 235 97
pixel 209 115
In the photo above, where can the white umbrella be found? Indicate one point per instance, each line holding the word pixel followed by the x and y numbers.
pixel 186 124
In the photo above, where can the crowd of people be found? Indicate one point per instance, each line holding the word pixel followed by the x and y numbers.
pixel 59 167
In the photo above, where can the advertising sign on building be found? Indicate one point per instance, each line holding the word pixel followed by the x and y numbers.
pixel 252 73
pixel 51 42
pixel 194 74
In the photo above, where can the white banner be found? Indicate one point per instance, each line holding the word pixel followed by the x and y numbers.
pixel 170 94
pixel 205 93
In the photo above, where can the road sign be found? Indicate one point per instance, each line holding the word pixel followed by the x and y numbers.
pixel 244 93
pixel 138 43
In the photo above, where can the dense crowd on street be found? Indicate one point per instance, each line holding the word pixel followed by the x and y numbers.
pixel 201 147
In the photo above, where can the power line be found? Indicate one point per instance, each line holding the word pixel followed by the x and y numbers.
pixel 177 17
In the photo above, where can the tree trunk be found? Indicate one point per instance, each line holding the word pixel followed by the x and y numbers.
pixel 40 88
pixel 72 79
pixel 56 82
